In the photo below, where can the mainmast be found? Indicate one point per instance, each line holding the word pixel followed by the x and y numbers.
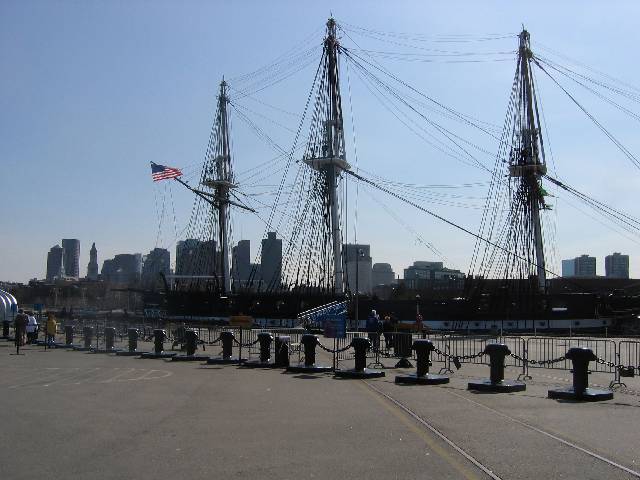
pixel 526 161
pixel 330 160
pixel 222 183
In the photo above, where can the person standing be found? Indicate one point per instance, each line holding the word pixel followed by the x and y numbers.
pixel 20 327
pixel 52 325
pixel 32 327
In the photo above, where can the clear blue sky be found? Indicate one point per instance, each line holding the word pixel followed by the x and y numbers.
pixel 90 92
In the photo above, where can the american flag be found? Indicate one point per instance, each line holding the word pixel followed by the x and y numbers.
pixel 160 172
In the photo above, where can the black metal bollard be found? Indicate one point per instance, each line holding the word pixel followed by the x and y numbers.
pixel 496 382
pixel 5 328
pixel 422 376
pixel 360 346
pixel 402 348
pixel 159 336
pixel 282 351
pixel 226 338
pixel 88 336
pixel 132 336
pixel 191 338
pixel 309 342
pixel 68 335
pixel 158 341
pixel 191 344
pixel 580 357
pixel 264 339
pixel 109 339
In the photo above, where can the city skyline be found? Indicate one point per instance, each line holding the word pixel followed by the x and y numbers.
pixel 155 94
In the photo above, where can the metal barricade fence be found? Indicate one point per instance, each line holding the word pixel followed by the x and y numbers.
pixel 629 353
pixel 546 348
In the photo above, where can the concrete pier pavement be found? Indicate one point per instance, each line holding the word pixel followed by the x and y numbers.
pixel 76 415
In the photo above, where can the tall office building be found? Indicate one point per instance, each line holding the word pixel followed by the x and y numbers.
pixel 196 257
pixel 92 268
pixel 616 265
pixel 123 269
pixel 71 257
pixel 55 263
pixel 569 267
pixel 271 261
pixel 382 274
pixel 241 262
pixel 358 264
pixel 156 262
pixel 585 266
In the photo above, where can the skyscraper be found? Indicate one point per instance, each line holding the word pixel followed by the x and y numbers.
pixel 55 263
pixel 616 265
pixel 71 257
pixel 569 267
pixel 241 262
pixel 196 257
pixel 585 266
pixel 271 261
pixel 157 261
pixel 92 268
pixel 357 261
pixel 124 268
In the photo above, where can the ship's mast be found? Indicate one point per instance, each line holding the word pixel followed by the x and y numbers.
pixel 527 158
pixel 331 160
pixel 222 183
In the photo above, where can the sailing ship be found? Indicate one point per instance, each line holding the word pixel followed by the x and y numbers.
pixel 507 286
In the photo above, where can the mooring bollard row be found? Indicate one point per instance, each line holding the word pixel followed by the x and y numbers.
pixel 580 358
pixel 360 346
pixel 423 349
pixel 309 342
pixel 264 339
pixel 159 336
pixel 191 345
pixel 496 382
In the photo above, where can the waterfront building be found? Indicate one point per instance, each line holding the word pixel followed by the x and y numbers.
pixel 71 248
pixel 616 265
pixel 357 260
pixel 55 263
pixel 92 268
pixel 271 261
pixel 382 274
pixel 156 262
